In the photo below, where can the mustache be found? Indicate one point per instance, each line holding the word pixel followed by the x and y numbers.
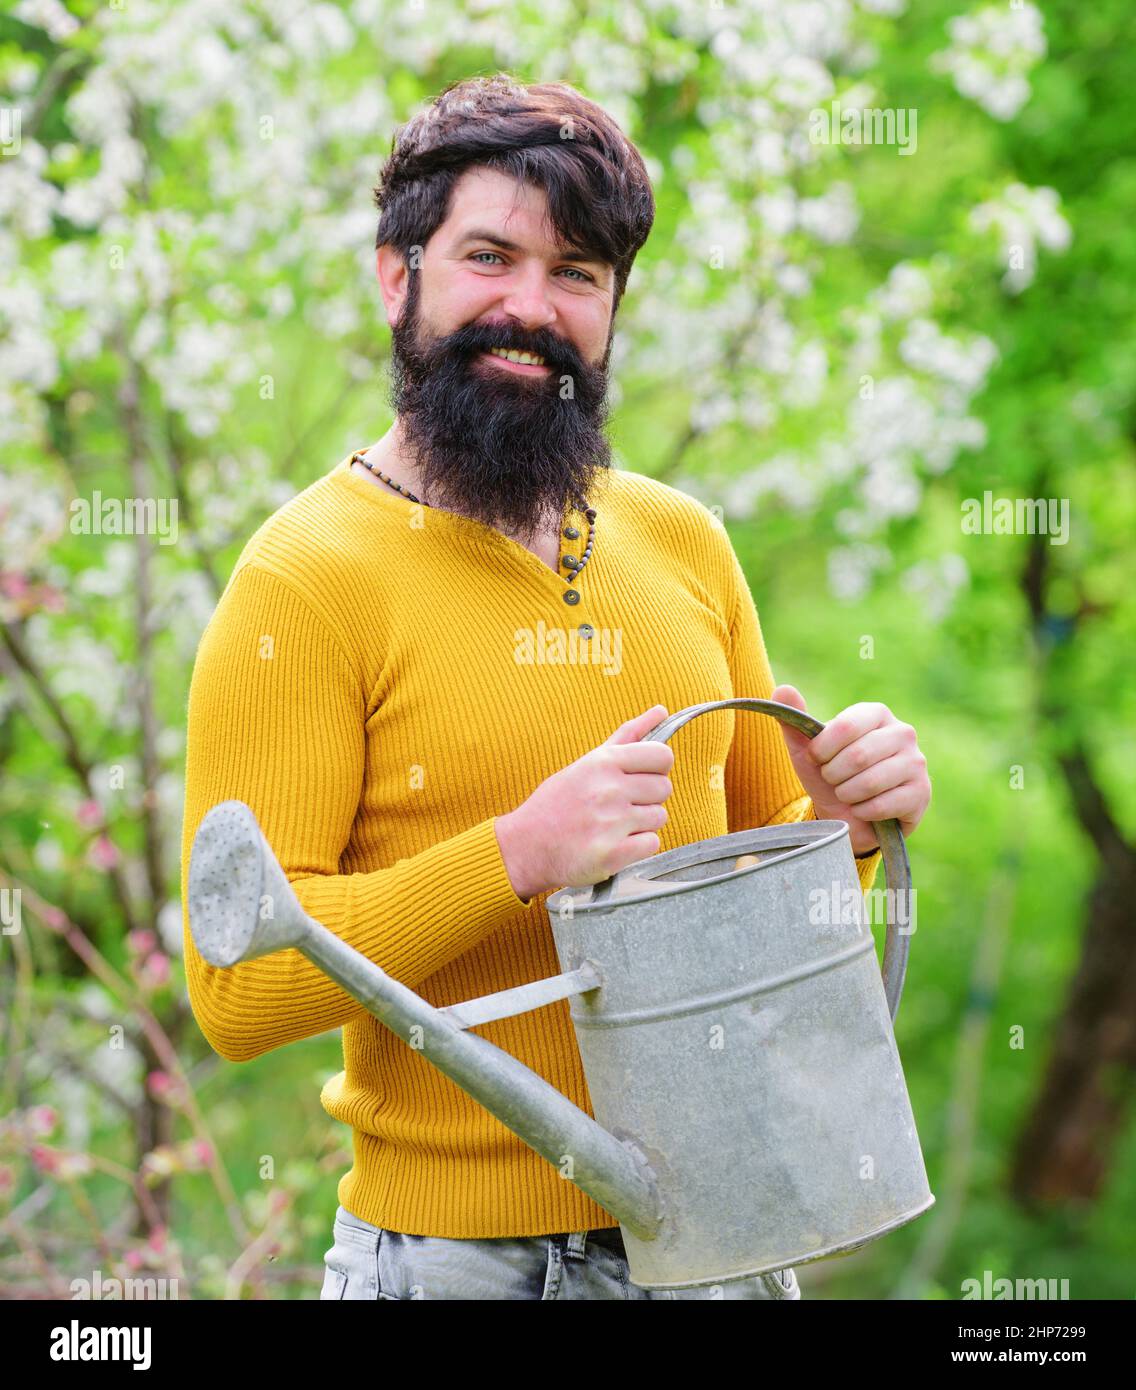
pixel 557 352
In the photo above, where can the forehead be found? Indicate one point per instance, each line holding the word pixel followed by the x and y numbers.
pixel 510 208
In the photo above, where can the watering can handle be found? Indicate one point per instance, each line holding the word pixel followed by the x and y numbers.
pixel 888 833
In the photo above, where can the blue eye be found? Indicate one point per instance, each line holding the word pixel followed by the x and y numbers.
pixel 584 277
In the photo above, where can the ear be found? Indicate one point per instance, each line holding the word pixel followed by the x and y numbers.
pixel 394 280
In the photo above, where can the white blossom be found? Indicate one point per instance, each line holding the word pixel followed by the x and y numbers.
pixel 711 412
pixel 792 280
pixel 1023 217
pixel 852 568
pixel 991 54
pixel 928 348
pixel 114 578
pixel 79 665
pixel 833 217
pixel 27 353
pixel 27 200
pixel 807 376
pixel 48 854
pixel 48 15
pixel 937 583
pixel 907 291
pixel 170 923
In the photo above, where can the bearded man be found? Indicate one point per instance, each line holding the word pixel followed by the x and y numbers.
pixel 411 679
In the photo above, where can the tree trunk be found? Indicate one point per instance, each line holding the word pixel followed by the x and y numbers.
pixel 1065 1148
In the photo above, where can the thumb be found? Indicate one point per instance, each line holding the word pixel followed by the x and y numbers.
pixel 790 695
pixel 795 741
pixel 642 724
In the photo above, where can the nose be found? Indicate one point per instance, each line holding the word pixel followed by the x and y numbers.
pixel 526 298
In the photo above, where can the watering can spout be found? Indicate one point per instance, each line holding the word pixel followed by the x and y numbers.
pixel 241 907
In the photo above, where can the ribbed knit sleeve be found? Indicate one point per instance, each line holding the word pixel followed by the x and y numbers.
pixel 762 786
pixel 276 719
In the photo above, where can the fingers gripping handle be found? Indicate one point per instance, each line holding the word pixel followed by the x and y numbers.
pixel 888 833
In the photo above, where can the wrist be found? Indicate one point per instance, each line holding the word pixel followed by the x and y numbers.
pixel 514 858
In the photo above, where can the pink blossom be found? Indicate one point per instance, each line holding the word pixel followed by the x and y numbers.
pixel 165 1087
pixel 27 597
pixel 133 1259
pixel 7 1177
pixel 42 1119
pixel 45 1159
pixel 89 814
pixel 13 585
pixel 202 1150
pixel 155 970
pixel 139 942
pixel 103 854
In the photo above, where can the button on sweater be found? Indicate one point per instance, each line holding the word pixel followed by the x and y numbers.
pixel 381 681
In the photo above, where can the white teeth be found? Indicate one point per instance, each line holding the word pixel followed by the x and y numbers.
pixel 511 355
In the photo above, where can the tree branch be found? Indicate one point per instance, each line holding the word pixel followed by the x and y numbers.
pixel 72 753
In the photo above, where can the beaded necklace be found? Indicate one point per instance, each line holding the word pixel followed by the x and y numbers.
pixel 570 595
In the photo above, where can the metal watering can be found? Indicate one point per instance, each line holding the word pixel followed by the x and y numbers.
pixel 736 1036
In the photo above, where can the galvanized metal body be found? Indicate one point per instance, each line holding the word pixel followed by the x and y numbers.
pixel 750 1108
pixel 741 1035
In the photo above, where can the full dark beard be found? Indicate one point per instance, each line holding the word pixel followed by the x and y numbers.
pixel 508 449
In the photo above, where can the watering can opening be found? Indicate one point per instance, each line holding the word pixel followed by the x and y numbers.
pixel 698 865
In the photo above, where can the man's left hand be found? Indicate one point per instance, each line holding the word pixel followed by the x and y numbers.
pixel 864 765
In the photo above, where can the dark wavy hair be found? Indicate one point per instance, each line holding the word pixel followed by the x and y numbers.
pixel 547 134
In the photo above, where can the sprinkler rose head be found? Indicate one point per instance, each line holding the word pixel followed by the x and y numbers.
pixel 241 904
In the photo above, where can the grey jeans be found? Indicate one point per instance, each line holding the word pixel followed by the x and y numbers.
pixel 370 1262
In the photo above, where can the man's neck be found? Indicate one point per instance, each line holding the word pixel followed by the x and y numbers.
pixel 388 455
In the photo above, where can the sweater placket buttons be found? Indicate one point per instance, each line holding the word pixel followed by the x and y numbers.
pixel 570 562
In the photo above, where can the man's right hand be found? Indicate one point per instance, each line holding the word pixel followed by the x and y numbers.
pixel 593 817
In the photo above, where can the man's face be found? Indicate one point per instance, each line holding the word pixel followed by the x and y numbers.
pixel 509 445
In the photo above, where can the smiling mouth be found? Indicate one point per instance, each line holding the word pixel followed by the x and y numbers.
pixel 529 362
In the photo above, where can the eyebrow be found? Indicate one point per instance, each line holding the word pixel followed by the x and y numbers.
pixel 563 253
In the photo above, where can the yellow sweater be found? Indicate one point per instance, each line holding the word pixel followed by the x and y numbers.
pixel 379 682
